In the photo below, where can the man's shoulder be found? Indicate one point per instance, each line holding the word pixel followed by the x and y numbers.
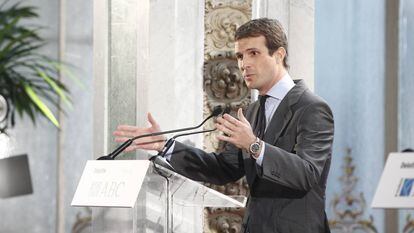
pixel 307 98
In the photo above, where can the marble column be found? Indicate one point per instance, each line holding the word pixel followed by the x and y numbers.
pixel 297 17
pixel 406 94
pixel 148 58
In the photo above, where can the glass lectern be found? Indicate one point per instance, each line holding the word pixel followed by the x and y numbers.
pixel 167 202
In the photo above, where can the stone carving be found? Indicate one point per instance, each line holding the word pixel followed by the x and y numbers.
pixel 222 19
pixel 227 220
pixel 83 223
pixel 239 187
pixel 224 84
pixel 349 207
pixel 210 144
pixel 409 225
pixel 224 220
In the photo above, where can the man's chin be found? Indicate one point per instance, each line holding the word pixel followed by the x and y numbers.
pixel 249 85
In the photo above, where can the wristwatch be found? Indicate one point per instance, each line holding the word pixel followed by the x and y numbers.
pixel 255 147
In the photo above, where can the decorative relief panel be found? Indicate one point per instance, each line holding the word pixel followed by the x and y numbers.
pixel 349 207
pixel 222 18
pixel 83 223
pixel 223 85
pixel 409 225
pixel 223 220
pixel 226 220
pixel 223 82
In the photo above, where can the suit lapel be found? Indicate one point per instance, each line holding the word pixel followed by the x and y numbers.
pixel 275 127
pixel 284 113
pixel 250 164
pixel 252 115
pixel 279 121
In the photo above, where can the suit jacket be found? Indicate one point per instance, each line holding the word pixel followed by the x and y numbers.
pixel 287 193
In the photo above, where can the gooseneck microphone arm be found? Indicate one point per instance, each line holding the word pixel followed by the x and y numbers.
pixel 216 111
pixel 160 157
pixel 170 141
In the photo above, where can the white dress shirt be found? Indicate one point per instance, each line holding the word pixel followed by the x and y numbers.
pixel 276 95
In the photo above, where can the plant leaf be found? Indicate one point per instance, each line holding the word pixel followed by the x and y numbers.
pixel 43 108
pixel 68 73
pixel 55 87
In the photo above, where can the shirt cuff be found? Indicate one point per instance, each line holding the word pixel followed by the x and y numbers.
pixel 169 152
pixel 259 159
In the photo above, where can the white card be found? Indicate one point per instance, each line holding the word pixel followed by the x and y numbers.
pixel 396 187
pixel 110 183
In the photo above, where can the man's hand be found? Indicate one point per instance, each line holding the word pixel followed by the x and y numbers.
pixel 125 132
pixel 237 131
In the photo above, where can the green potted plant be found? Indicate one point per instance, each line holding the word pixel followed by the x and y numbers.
pixel 29 81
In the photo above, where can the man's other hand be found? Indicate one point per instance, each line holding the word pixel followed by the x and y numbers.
pixel 236 131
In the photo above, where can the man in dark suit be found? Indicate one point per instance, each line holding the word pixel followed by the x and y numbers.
pixel 282 144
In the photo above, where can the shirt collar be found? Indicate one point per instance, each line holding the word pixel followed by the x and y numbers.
pixel 281 88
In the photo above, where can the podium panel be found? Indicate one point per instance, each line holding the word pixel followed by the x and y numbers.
pixel 167 202
pixel 395 189
pixel 148 215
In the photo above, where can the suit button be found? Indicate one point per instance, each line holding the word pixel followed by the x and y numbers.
pixel 274 173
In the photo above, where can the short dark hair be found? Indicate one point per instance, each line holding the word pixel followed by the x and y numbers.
pixel 271 29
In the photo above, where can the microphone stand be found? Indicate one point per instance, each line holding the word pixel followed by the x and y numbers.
pixel 160 157
pixel 216 111
pixel 161 161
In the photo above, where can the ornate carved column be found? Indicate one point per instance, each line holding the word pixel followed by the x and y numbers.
pixel 223 85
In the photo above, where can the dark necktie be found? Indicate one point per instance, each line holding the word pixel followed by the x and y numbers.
pixel 260 124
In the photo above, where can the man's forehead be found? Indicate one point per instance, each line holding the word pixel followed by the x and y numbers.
pixel 248 43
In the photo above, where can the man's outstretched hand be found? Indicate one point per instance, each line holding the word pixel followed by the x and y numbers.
pixel 125 132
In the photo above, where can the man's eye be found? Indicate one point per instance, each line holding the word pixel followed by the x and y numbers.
pixel 254 53
pixel 239 57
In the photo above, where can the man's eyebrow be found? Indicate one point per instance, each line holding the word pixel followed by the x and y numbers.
pixel 247 50
pixel 251 49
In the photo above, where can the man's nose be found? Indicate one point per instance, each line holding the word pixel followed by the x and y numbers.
pixel 244 65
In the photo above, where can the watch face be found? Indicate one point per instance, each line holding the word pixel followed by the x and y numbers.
pixel 255 147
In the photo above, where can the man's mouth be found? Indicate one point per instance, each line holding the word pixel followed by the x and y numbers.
pixel 248 76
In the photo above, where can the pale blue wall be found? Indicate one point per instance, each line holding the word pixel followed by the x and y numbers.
pixel 406 85
pixel 349 74
pixel 406 75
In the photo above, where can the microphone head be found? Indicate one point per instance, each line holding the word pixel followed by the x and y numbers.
pixel 217 110
pixel 227 110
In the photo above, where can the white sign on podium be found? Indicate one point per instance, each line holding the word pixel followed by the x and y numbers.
pixel 110 183
pixel 395 189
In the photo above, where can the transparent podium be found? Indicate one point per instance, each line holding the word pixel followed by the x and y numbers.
pixel 167 202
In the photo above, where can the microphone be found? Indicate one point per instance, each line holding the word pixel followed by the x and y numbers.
pixel 216 111
pixel 160 158
pixel 171 140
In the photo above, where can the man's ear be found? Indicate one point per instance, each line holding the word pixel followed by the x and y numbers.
pixel 280 54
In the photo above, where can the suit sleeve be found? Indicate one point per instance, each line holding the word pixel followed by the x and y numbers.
pixel 215 168
pixel 313 145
